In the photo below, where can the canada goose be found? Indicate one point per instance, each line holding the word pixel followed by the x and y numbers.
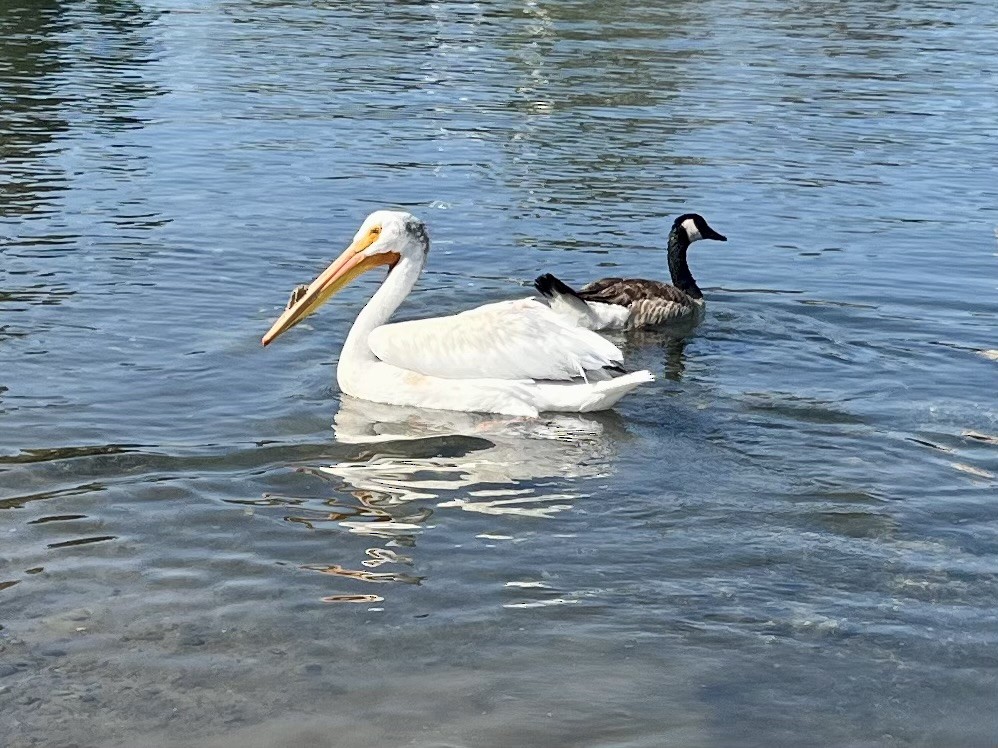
pixel 619 304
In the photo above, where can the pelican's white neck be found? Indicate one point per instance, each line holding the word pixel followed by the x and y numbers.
pixel 356 352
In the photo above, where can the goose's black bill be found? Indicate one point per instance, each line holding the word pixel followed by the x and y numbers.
pixel 708 233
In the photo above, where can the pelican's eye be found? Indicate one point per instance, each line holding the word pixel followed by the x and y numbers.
pixel 375 231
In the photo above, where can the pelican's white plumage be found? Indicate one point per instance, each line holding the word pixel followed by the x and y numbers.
pixel 520 339
pixel 513 357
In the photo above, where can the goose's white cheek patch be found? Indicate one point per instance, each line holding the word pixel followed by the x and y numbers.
pixel 691 230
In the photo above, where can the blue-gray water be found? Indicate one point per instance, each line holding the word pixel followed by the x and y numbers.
pixel 790 539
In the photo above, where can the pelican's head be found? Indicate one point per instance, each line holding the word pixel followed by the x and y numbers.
pixel 385 237
pixel 693 226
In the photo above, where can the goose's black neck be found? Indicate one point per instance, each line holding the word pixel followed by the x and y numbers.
pixel 682 278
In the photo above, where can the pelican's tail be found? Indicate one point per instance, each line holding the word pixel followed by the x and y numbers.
pixel 606 394
pixel 573 397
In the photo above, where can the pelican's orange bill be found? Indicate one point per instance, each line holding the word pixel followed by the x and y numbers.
pixel 352 263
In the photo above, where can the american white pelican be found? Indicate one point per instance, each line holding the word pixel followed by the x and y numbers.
pixel 622 304
pixel 513 357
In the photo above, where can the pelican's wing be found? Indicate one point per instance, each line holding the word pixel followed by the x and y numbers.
pixel 520 339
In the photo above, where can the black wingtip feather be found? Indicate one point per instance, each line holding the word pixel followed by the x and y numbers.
pixel 549 286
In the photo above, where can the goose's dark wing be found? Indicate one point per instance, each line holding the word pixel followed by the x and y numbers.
pixel 628 291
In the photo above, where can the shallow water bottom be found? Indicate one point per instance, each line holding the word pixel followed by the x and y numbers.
pixel 295 676
pixel 415 684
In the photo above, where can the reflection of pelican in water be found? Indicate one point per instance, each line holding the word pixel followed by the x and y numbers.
pixel 482 463
pixel 407 463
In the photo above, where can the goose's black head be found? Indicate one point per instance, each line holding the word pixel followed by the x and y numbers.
pixel 694 226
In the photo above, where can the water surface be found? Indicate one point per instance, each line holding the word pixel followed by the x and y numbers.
pixel 791 538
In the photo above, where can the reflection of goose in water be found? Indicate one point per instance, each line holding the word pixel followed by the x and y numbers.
pixel 668 345
pixel 480 463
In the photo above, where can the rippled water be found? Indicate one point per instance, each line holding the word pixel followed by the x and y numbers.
pixel 790 539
